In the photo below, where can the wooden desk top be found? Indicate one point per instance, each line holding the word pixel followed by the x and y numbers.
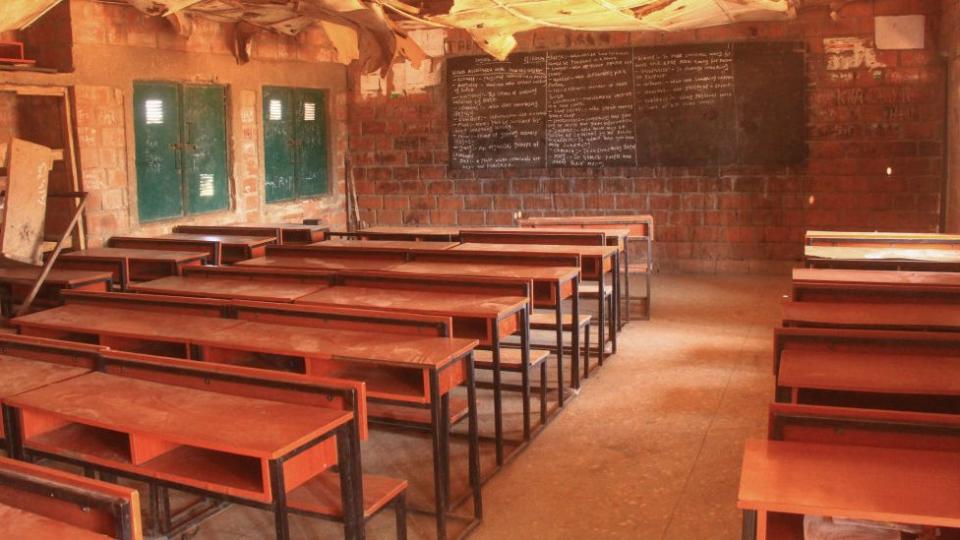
pixel 137 254
pixel 19 375
pixel 583 251
pixel 399 245
pixel 881 254
pixel 127 322
pixel 873 315
pixel 257 427
pixel 552 274
pixel 57 276
pixel 228 288
pixel 409 351
pixel 399 350
pixel 619 232
pixel 414 301
pixel 319 263
pixel 858 482
pixel 439 231
pixel 873 372
pixel 876 277
pixel 224 239
pixel 290 226
pixel 875 235
pixel 17 523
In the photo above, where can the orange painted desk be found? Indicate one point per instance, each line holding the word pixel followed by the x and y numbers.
pixel 552 285
pixel 874 316
pixel 882 258
pixel 435 234
pixel 317 263
pixel 206 286
pixel 175 435
pixel 40 503
pixel 300 233
pixel 881 286
pixel 411 370
pixel 882 239
pixel 399 245
pixel 288 233
pixel 132 264
pixel 857 482
pixel 234 248
pixel 18 375
pixel 16 282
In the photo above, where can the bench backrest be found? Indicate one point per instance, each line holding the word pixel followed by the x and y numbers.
pixel 313 391
pixel 254 273
pixel 864 427
pixel 490 257
pixel 528 236
pixel 338 252
pixel 342 318
pixel 179 305
pixel 211 247
pixel 863 341
pixel 54 351
pixel 640 225
pixel 231 230
pixel 875 293
pixel 491 286
pixel 108 509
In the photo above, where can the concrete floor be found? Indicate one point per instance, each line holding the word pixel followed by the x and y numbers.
pixel 649 450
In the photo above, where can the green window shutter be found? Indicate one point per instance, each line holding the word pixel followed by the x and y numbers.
pixel 157 128
pixel 205 138
pixel 312 138
pixel 279 144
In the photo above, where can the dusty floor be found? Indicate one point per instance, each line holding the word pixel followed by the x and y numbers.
pixel 649 450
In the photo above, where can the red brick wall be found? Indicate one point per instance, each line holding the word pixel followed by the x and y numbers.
pixel 950 44
pixel 861 121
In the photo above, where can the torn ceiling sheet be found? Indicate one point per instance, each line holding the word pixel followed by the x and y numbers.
pixel 19 14
pixel 493 23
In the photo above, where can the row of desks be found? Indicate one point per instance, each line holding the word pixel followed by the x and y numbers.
pixel 866 365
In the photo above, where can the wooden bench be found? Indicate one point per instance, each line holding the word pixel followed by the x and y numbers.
pixel 404 360
pixel 882 258
pixel 875 286
pixel 247 230
pixel 231 286
pixel 169 435
pixel 39 502
pixel 233 247
pixel 127 265
pixel 923 317
pixel 886 466
pixel 395 245
pixel 17 281
pixel 212 248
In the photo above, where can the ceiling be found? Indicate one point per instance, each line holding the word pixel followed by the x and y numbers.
pixel 367 31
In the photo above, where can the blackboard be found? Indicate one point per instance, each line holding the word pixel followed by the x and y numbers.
pixel 705 104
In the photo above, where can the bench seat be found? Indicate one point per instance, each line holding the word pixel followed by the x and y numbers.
pixel 321 494
pixel 510 359
pixel 548 321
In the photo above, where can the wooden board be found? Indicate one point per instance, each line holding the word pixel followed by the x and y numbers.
pixel 25 203
pixel 704 104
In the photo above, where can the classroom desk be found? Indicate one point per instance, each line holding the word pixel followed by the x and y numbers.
pixel 482 317
pixel 18 375
pixel 290 233
pixel 595 263
pixel 129 265
pixel 857 482
pixel 399 245
pixel 873 316
pixel 887 286
pixel 882 258
pixel 317 263
pixel 300 233
pixel 229 288
pixel 882 239
pixel 174 436
pixel 234 248
pixel 433 234
pixel 552 285
pixel 409 370
pixel 16 282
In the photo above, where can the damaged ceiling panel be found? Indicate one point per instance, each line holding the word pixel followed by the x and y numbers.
pixel 19 14
pixel 493 23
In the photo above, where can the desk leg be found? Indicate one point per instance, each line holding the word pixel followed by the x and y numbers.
pixel 11 432
pixel 615 304
pixel 351 479
pixel 601 328
pixel 281 518
pixel 626 279
pixel 525 370
pixel 439 465
pixel 497 394
pixel 558 309
pixel 575 335
pixel 474 436
pixel 749 531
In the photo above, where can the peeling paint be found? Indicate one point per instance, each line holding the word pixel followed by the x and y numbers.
pixel 846 53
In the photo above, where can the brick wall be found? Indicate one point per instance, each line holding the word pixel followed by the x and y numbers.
pixel 113 45
pixel 861 121
pixel 950 44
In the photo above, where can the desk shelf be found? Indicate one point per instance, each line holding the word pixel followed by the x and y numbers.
pixel 210 469
pixel 103 445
